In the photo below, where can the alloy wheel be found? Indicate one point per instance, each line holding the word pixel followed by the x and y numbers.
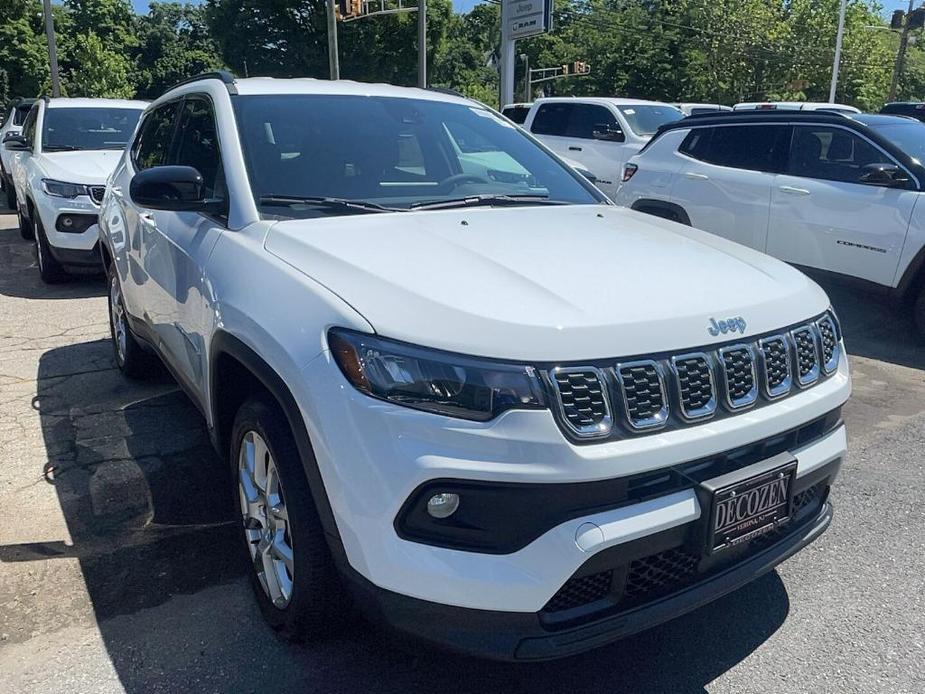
pixel 266 519
pixel 117 317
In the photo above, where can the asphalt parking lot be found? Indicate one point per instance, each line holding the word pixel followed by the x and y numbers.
pixel 120 570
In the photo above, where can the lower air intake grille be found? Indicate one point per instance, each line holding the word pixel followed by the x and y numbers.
pixel 643 394
pixel 738 366
pixel 807 358
pixel 659 573
pixel 97 193
pixel 776 360
pixel 583 401
pixel 580 591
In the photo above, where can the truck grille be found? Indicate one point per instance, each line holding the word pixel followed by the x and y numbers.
pixel 97 193
pixel 696 390
pixel 738 366
pixel 685 388
pixel 807 357
pixel 643 394
pixel 583 400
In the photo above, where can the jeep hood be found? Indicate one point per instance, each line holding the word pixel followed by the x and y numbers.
pixel 90 166
pixel 544 283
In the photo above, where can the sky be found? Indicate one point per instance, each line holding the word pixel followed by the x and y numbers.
pixel 460 5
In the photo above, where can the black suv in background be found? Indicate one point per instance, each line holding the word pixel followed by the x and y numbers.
pixel 913 109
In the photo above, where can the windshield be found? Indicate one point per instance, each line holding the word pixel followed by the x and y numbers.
pixel 645 119
pixel 393 152
pixel 909 137
pixel 88 128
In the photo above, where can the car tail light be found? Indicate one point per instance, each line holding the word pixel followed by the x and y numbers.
pixel 628 171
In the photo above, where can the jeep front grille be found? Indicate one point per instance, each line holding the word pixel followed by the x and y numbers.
pixel 644 396
pixel 696 389
pixel 828 340
pixel 685 388
pixel 775 366
pixel 807 356
pixel 583 402
pixel 739 377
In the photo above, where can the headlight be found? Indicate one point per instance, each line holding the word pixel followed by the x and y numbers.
pixel 60 189
pixel 442 382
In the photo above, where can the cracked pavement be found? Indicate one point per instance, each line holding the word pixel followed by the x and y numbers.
pixel 120 569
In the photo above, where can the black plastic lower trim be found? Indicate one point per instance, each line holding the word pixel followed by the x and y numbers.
pixel 74 258
pixel 521 636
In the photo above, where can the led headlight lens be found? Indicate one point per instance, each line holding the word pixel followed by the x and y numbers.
pixel 61 189
pixel 441 382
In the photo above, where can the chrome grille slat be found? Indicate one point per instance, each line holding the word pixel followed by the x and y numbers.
pixel 643 388
pixel 777 374
pixel 806 355
pixel 696 388
pixel 583 401
pixel 828 343
pixel 740 380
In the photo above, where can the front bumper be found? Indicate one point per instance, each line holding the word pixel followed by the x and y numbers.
pixel 518 636
pixel 75 250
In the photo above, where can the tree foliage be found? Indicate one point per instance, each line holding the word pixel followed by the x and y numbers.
pixel 692 50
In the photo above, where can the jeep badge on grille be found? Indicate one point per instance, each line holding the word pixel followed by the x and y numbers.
pixel 729 325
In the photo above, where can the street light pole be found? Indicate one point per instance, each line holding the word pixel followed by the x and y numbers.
pixel 900 56
pixel 527 85
pixel 52 50
pixel 333 61
pixel 422 44
pixel 838 41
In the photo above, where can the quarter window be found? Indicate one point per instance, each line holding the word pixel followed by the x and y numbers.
pixel 153 142
pixel 832 154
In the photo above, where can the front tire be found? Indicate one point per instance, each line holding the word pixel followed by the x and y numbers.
pixel 292 571
pixel 10 193
pixel 130 357
pixel 25 226
pixel 50 269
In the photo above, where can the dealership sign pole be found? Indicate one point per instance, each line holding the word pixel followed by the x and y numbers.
pixel 519 20
pixel 52 50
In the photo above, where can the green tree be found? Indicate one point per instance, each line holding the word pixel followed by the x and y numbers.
pixel 102 72
pixel 23 55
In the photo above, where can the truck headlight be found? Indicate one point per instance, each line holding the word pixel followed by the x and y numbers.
pixel 62 189
pixel 442 382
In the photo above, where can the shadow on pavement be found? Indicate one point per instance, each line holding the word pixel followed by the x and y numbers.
pixel 16 252
pixel 150 510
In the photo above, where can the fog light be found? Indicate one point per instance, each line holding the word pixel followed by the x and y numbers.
pixel 67 222
pixel 443 505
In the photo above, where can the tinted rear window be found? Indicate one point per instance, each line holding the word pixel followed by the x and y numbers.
pixel 518 114
pixel 551 119
pixel 751 147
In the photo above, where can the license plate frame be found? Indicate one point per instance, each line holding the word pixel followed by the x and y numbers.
pixel 750 502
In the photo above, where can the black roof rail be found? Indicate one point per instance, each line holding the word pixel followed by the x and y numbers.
pixel 448 91
pixel 226 77
pixel 773 113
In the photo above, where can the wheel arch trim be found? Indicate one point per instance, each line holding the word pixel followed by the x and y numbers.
pixel 646 204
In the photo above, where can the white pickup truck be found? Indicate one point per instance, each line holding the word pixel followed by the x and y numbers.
pixel 601 134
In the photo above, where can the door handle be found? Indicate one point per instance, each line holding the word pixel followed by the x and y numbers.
pixel 791 190
pixel 574 149
pixel 696 176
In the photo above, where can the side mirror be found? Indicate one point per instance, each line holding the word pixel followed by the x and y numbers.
pixel 887 175
pixel 9 135
pixel 608 133
pixel 15 142
pixel 173 188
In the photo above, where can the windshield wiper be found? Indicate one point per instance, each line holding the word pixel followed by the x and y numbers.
pixel 61 148
pixel 358 205
pixel 486 200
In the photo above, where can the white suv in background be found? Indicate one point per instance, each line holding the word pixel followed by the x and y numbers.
pixel 60 163
pixel 466 390
pixel 19 109
pixel 601 134
pixel 840 193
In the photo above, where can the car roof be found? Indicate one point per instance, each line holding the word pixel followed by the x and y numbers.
pixel 615 101
pixel 796 105
pixel 66 102
pixel 875 119
pixel 307 85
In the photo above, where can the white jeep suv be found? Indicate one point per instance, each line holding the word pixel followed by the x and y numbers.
pixel 838 193
pixel 499 412
pixel 60 163
pixel 601 134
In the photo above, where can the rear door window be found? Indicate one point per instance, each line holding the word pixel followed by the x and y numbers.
pixel 749 147
pixel 552 119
